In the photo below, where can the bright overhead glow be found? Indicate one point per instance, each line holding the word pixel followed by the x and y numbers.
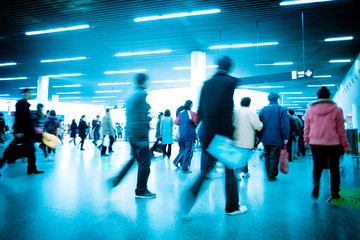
pixel 60 93
pixel 302 101
pixel 187 68
pixel 8 64
pixel 57 30
pixel 291 104
pixel 274 64
pixel 110 91
pixel 141 53
pixel 322 85
pixel 243 45
pixel 171 81
pixel 301 97
pixel 340 61
pixel 176 15
pixel 125 71
pixel 263 87
pixel 69 98
pixel 99 101
pixel 66 86
pixel 106 97
pixel 296 107
pixel 27 87
pixel 283 63
pixel 338 39
pixel 4 95
pixel 287 3
pixel 65 75
pixel 111 84
pixel 63 59
pixel 284 93
pixel 322 76
pixel 13 78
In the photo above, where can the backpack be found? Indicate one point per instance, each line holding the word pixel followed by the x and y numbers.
pixel 51 127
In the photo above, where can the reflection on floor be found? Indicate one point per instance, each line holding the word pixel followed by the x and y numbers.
pixel 70 201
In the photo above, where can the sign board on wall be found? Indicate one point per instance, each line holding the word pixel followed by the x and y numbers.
pixel 302 74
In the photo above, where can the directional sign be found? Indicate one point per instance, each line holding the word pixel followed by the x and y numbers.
pixel 302 74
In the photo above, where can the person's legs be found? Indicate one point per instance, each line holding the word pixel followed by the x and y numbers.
pixel 82 142
pixel 189 144
pixel 231 190
pixel 117 179
pixel 289 149
pixel 319 158
pixel 154 146
pixel 112 140
pixel 274 162
pixel 163 146
pixel 334 156
pixel 142 155
pixel 180 156
pixel 267 159
pixel 169 150
pixel 294 147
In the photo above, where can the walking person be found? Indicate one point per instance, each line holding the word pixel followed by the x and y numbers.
pixel 38 119
pixel 137 129
pixel 119 130
pixel 61 131
pixel 275 134
pixel 24 132
pixel 73 131
pixel 96 125
pixel 215 112
pixel 298 126
pixel 107 130
pixel 325 133
pixel 82 131
pixel 301 143
pixel 245 122
pixel 157 135
pixel 166 133
pixel 187 121
pixel 51 126
pixel 179 158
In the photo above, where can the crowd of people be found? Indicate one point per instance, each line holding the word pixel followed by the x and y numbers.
pixel 274 126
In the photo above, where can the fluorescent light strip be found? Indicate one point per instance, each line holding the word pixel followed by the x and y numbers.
pixel 171 81
pixel 63 59
pixel 187 68
pixel 66 86
pixel 338 39
pixel 60 93
pixel 243 45
pixel 65 75
pixel 177 15
pixel 13 78
pixel 264 87
pixel 57 30
pixel 27 87
pixel 284 93
pixel 302 101
pixel 99 101
pixel 106 97
pixel 110 91
pixel 340 61
pixel 111 84
pixel 4 95
pixel 322 76
pixel 295 107
pixel 141 53
pixel 294 104
pixel 301 97
pixel 322 85
pixel 8 64
pixel 274 64
pixel 287 3
pixel 125 71
pixel 69 98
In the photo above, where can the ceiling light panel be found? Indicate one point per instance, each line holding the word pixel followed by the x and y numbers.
pixel 301 97
pixel 142 53
pixel 106 97
pixel 65 75
pixel 67 86
pixel 112 84
pixel 340 61
pixel 322 85
pixel 13 78
pixel 335 39
pixel 177 15
pixel 322 76
pixel 243 45
pixel 171 81
pixel 125 71
pixel 110 91
pixel 27 87
pixel 69 98
pixel 63 59
pixel 296 2
pixel 8 64
pixel 57 30
pixel 275 64
pixel 61 93
pixel 285 93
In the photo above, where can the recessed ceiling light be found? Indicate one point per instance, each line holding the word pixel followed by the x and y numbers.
pixel 63 59
pixel 66 86
pixel 13 78
pixel 176 15
pixel 340 61
pixel 125 71
pixel 171 81
pixel 98 101
pixel 110 84
pixel 243 45
pixel 302 101
pixel 61 93
pixel 286 3
pixel 27 87
pixel 65 75
pixel 8 64
pixel 57 30
pixel 301 97
pixel 141 53
pixel 110 91
pixel 69 98
pixel 4 95
pixel 284 93
pixel 322 85
pixel 274 64
pixel 338 39
pixel 263 87
pixel 322 76
pixel 106 97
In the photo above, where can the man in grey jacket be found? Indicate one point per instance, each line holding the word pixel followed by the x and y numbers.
pixel 138 119
pixel 107 130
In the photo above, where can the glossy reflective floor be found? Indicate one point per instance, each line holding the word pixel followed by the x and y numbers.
pixel 70 201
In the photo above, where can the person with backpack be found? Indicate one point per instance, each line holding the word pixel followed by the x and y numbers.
pixel 51 125
pixel 82 131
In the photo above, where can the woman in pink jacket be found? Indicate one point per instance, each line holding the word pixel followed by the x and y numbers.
pixel 325 132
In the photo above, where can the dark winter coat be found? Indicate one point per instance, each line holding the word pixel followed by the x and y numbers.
pixel 73 129
pixel 23 122
pixel 216 107
pixel 82 128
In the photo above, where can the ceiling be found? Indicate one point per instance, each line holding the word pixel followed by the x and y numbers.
pixel 113 30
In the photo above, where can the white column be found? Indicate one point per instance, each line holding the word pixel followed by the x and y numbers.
pixel 356 115
pixel 198 74
pixel 42 90
pixel 54 101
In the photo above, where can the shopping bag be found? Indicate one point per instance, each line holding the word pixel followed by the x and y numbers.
pixel 50 140
pixel 347 172
pixel 224 149
pixel 106 141
pixel 284 160
pixel 176 132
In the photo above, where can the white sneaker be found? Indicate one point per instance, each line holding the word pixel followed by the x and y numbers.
pixel 241 210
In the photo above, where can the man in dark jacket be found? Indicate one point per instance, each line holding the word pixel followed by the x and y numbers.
pixel 157 135
pixel 82 131
pixel 274 134
pixel 96 124
pixel 216 111
pixel 24 131
pixel 137 123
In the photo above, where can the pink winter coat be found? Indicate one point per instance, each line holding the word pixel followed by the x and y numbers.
pixel 324 125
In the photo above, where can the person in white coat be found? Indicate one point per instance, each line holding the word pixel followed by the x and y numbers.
pixel 166 126
pixel 245 123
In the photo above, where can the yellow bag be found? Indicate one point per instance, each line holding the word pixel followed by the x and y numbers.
pixel 50 140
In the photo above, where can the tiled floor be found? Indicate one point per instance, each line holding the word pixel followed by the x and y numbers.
pixel 70 201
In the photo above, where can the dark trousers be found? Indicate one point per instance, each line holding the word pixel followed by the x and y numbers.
pixel 103 148
pixel 155 145
pixel 73 140
pixel 322 155
pixel 179 158
pixel 289 148
pixel 231 186
pixel 82 142
pixel 96 135
pixel 168 151
pixel 301 145
pixel 272 156
pixel 141 153
pixel 188 154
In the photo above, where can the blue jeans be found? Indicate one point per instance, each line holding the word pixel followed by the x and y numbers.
pixel 179 158
pixel 188 154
